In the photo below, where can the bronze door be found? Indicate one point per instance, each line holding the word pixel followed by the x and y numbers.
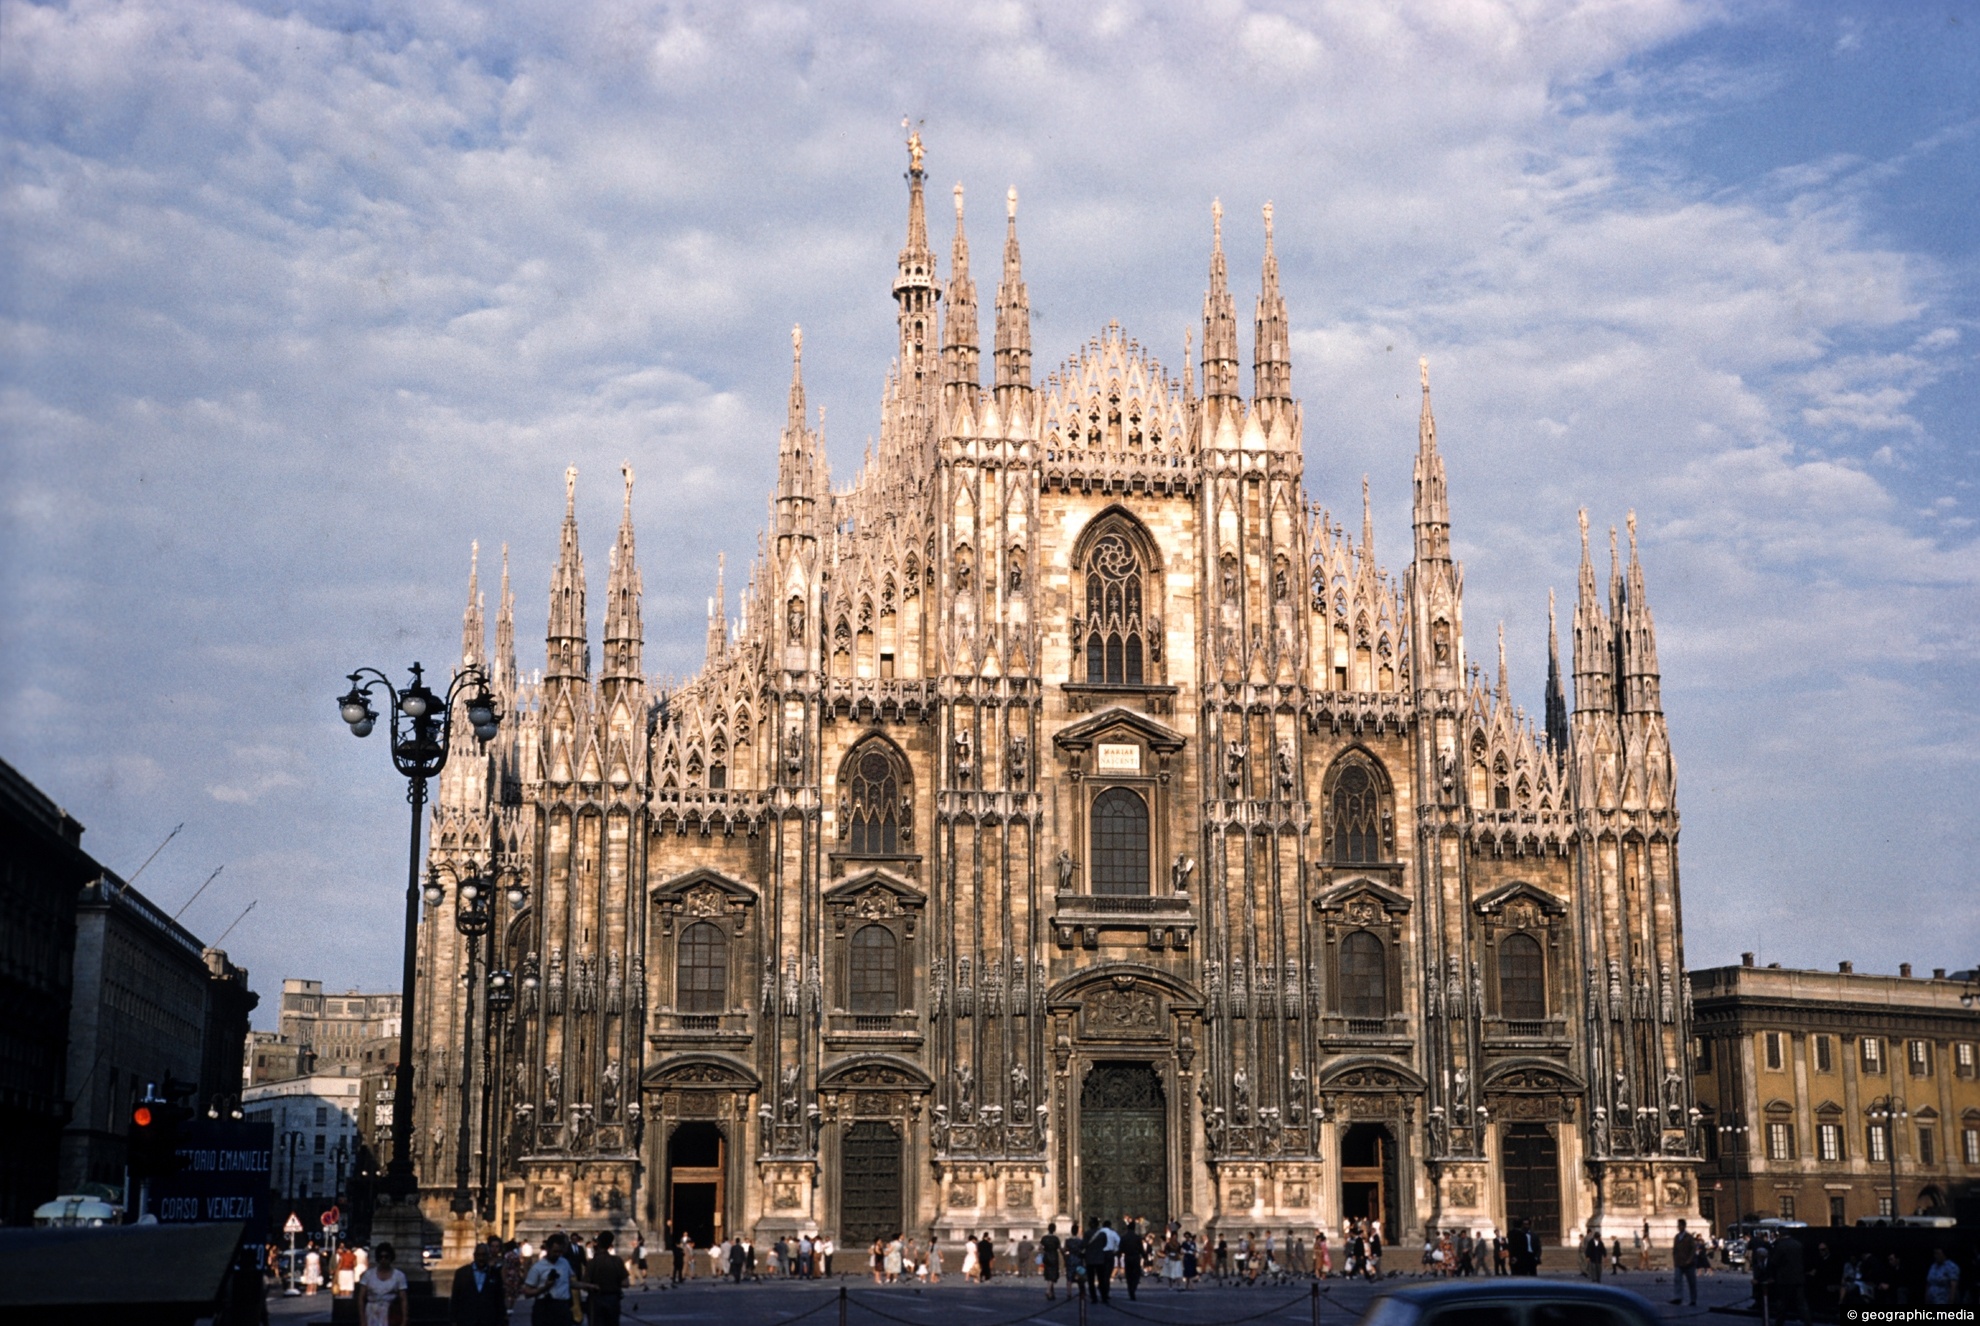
pixel 870 1184
pixel 1531 1164
pixel 1123 1146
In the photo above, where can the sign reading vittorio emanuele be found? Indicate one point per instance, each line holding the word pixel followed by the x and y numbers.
pixel 1072 823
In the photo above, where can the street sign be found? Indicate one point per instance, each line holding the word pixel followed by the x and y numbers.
pixel 293 1225
pixel 332 1217
pixel 221 1175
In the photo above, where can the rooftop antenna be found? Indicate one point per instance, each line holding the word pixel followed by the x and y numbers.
pixel 196 892
pixel 153 857
pixel 237 920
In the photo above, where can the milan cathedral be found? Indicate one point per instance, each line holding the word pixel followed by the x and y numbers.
pixel 1073 820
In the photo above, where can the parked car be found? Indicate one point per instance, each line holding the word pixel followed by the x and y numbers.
pixel 1522 1301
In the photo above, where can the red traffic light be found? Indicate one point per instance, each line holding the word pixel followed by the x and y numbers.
pixel 141 1116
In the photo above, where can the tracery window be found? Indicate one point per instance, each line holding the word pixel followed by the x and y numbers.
pixel 701 970
pixel 874 803
pixel 1120 842
pixel 875 985
pixel 1364 976
pixel 1522 979
pixel 1115 629
pixel 1356 814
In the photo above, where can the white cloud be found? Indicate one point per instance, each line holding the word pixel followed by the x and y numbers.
pixel 297 307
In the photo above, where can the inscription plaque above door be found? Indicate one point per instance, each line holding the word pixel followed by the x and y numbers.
pixel 1115 757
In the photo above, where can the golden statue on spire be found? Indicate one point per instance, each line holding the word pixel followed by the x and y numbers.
pixel 915 152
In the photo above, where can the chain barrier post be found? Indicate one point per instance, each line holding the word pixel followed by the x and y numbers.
pixel 842 1305
pixel 1316 1303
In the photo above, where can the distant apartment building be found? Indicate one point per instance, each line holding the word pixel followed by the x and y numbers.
pixel 1828 1096
pixel 269 1057
pixel 328 1031
pixel 316 1133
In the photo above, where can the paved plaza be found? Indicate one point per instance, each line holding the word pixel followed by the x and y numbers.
pixel 1006 1302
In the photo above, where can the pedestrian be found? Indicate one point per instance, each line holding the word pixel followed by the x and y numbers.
pixel 934 1257
pixel 1641 1240
pixel 381 1292
pixel 1942 1280
pixel 1790 1278
pixel 1525 1252
pixel 738 1259
pixel 680 1254
pixel 1133 1255
pixel 1323 1256
pixel 1592 1253
pixel 890 1260
pixel 1075 1262
pixel 986 1257
pixel 1048 1260
pixel 1102 1245
pixel 1220 1259
pixel 970 1269
pixel 606 1278
pixel 1500 1249
pixel 548 1284
pixel 826 1251
pixel 477 1298
pixel 346 1272
pixel 1192 1253
pixel 1685 1261
pixel 1615 1255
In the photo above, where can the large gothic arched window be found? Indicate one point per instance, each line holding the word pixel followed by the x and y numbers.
pixel 875 971
pixel 1120 842
pixel 1522 980
pixel 1116 633
pixel 701 970
pixel 874 800
pixel 1358 823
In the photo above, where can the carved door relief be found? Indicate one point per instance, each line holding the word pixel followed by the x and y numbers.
pixel 1123 1144
pixel 870 1183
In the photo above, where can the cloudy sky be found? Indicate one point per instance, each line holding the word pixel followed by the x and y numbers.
pixel 298 301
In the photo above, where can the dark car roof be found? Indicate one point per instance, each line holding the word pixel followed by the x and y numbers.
pixel 1518 1287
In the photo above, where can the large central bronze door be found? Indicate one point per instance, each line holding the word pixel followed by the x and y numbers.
pixel 1123 1146
pixel 1532 1171
pixel 870 1179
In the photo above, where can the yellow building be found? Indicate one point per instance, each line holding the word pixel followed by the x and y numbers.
pixel 1822 1092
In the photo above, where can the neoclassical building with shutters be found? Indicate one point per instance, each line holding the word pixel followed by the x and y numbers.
pixel 1073 820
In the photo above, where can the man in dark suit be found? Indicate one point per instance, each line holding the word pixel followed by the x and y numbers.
pixel 1525 1248
pixel 477 1298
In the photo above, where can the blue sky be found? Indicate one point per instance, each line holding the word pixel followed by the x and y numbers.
pixel 298 302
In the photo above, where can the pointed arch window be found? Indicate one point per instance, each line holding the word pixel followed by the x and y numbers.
pixel 1116 631
pixel 875 801
pixel 875 985
pixel 1364 976
pixel 1120 843
pixel 701 970
pixel 1359 813
pixel 1522 980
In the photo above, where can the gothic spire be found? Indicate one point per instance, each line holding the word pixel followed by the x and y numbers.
pixel 1636 639
pixel 1594 654
pixel 1557 724
pixel 1013 314
pixel 1271 357
pixel 624 638
pixel 569 655
pixel 961 347
pixel 1504 689
pixel 718 614
pixel 1220 355
pixel 914 284
pixel 474 630
pixel 505 633
pixel 801 480
pixel 1433 512
pixel 1367 525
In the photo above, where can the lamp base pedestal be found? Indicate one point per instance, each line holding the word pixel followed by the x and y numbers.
pixel 399 1222
pixel 457 1245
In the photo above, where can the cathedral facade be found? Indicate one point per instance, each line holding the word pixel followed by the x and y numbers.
pixel 1074 820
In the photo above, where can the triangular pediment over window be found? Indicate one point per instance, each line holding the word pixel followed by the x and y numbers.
pixel 854 887
pixel 1340 896
pixel 701 881
pixel 1498 898
pixel 1116 720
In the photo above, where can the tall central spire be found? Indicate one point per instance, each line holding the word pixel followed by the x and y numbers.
pixel 624 638
pixel 915 287
pixel 569 655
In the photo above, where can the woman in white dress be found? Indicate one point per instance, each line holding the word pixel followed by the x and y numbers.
pixel 969 1259
pixel 893 1260
pixel 382 1291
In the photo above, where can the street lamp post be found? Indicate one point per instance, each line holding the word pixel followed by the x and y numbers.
pixel 422 725
pixel 474 918
pixel 501 997
pixel 1890 1113
pixel 1732 1141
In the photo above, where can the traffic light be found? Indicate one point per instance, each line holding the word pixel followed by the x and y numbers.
pixel 156 1126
